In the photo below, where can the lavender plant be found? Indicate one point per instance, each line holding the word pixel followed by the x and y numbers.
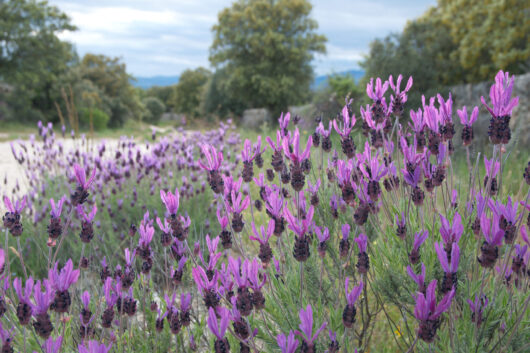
pixel 389 247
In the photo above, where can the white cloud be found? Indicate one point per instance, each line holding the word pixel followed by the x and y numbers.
pixel 165 37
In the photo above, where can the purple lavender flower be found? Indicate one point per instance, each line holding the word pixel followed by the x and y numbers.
pixel 265 251
pixel 401 224
pixel 491 176
pixel 284 123
pixel 43 299
pixel 492 239
pixel 477 307
pixel 146 235
pixel 467 131
pixel 84 216
pixel 518 261
pixel 219 330
pixel 80 176
pixel 256 281
pixel 53 346
pixel 397 102
pixel 11 218
pixel 7 339
pixel 248 153
pixel 24 308
pixel 363 261
pixel 80 195
pixel 449 263
pixel 349 312
pixel 94 347
pixel 506 273
pixel 508 219
pixel 503 104
pixel 419 279
pixel 362 241
pixel 61 282
pixel 57 208
pixel 412 178
pixel 326 140
pixel 380 89
pixel 447 129
pixel 302 225
pixel 347 123
pixel 213 164
pixel 323 237
pixel 313 190
pixel 419 238
pixel 236 207
pixel 171 201
pixel 427 312
pixel 287 344
pixel 214 158
pixel 451 233
pixel 344 245
pixel 418 124
pixel 306 329
pixel 296 156
pixel 87 230
pixel 207 287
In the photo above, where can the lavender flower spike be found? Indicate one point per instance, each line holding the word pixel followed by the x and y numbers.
pixel 214 158
pixel 353 295
pixel 448 267
pixel 428 313
pixel 62 280
pixel 80 175
pixel 53 346
pixel 94 347
pixel 18 207
pixel 419 279
pixel 306 326
pixel 380 89
pixel 57 208
pixel 419 238
pixel 362 241
pixel 170 200
pixel 221 344
pixel 500 96
pixel 349 123
pixel 287 344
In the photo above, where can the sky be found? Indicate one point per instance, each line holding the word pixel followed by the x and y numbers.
pixel 164 38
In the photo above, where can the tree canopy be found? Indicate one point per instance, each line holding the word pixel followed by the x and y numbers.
pixel 32 57
pixel 456 41
pixel 265 48
pixel 188 92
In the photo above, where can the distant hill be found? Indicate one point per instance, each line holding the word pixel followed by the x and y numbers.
pixel 146 82
pixel 322 80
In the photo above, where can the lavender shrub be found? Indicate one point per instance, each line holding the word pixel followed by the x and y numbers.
pixel 293 248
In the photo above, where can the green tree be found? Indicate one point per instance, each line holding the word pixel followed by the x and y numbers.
pixel 32 57
pixel 188 92
pixel 110 77
pixel 454 42
pixel 344 86
pixel 163 93
pixel 154 109
pixel 489 35
pixel 217 99
pixel 266 48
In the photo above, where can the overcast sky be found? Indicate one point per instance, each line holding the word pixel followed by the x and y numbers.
pixel 165 37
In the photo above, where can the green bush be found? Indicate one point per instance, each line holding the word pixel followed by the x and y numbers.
pixel 155 108
pixel 100 119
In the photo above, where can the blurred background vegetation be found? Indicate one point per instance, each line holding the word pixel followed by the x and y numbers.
pixel 261 57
